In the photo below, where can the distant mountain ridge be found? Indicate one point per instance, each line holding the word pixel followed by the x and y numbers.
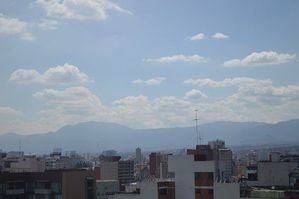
pixel 98 136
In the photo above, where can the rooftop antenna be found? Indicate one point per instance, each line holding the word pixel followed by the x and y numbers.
pixel 198 139
pixel 20 147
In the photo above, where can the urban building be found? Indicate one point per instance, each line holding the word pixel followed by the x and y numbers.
pixel 56 162
pixel 105 188
pixel 109 170
pixel 275 156
pixel 195 176
pixel 27 163
pixel 271 174
pixel 109 153
pixel 150 189
pixel 222 156
pixel 112 168
pixel 138 156
pixel 17 162
pixel 141 172
pixel 58 184
pixel 158 165
pixel 126 171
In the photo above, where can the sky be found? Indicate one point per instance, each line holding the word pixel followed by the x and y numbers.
pixel 146 64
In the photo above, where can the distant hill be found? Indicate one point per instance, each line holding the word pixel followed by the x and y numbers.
pixel 97 136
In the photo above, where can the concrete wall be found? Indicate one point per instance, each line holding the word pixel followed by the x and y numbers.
pixel 109 170
pixel 105 187
pixel 148 190
pixel 273 173
pixel 74 184
pixel 226 191
pixel 28 164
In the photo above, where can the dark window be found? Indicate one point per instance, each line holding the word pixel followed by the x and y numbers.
pixel 163 192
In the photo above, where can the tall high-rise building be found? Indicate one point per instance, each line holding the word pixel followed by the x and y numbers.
pixel 158 165
pixel 126 171
pixel 112 168
pixel 138 156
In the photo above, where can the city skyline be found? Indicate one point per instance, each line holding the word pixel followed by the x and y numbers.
pixel 146 64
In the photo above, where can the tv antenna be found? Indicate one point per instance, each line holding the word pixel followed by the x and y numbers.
pixel 198 138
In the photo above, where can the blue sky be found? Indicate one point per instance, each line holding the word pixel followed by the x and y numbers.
pixel 146 64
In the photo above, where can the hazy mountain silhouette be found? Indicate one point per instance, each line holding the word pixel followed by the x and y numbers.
pixel 98 136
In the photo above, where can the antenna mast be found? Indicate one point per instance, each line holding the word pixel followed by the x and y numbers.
pixel 198 139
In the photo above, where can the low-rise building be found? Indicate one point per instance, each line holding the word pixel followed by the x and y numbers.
pixel 272 174
pixel 106 188
pixel 58 184
pixel 28 163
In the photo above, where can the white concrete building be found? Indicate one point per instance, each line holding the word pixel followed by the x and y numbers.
pixel 109 170
pixel 195 179
pixel 28 163
pixel 273 173
pixel 56 161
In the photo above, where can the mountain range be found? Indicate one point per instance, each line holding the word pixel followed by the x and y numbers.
pixel 98 136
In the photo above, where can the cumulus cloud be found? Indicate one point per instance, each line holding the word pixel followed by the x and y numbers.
pixel 74 96
pixel 15 26
pixel 47 24
pixel 197 37
pixel 236 81
pixel 152 81
pixel 70 106
pixel 261 58
pixel 65 74
pixel 248 99
pixel 80 9
pixel 219 35
pixel 194 94
pixel 142 112
pixel 178 58
pixel 252 90
pixel 8 112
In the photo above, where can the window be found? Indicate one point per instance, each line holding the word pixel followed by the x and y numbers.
pixel 203 178
pixel 163 192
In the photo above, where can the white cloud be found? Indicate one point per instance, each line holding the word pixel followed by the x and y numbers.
pixel 152 81
pixel 78 97
pixel 178 58
pixel 14 26
pixel 70 106
pixel 228 82
pixel 80 9
pixel 47 24
pixel 10 120
pixel 219 35
pixel 250 89
pixel 261 58
pixel 248 99
pixel 9 112
pixel 194 94
pixel 197 37
pixel 65 74
pixel 141 112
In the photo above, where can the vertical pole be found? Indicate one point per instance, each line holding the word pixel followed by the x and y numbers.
pixel 196 127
